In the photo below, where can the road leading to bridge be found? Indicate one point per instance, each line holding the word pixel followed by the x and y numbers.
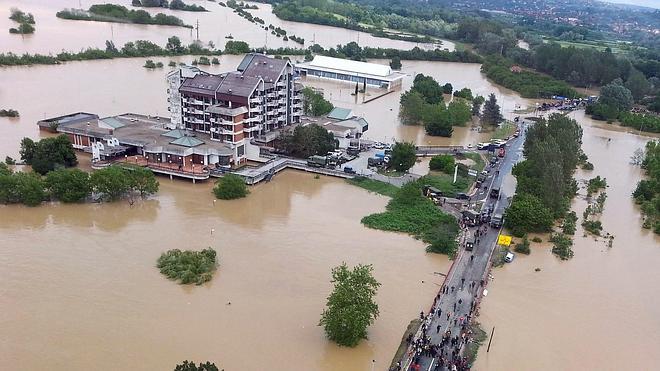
pixel 439 342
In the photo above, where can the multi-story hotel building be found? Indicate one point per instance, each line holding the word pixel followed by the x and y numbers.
pixel 238 107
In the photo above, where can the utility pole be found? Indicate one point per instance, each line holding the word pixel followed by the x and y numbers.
pixel 197 28
pixel 491 339
pixel 455 173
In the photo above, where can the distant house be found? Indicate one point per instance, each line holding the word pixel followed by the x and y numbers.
pixel 515 69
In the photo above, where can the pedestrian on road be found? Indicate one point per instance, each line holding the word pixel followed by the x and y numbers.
pixel 454 306
pixel 452 289
pixel 421 315
pixel 448 315
pixel 437 329
pixel 471 258
pixel 462 281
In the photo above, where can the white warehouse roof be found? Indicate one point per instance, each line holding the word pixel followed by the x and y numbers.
pixel 350 66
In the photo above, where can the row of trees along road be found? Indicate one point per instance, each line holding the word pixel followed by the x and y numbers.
pixel 545 178
pixel 647 193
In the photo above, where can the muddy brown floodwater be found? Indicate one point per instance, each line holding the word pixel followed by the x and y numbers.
pixel 597 311
pixel 80 290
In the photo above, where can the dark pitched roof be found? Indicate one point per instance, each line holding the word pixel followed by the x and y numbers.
pixel 235 84
pixel 259 65
pixel 201 84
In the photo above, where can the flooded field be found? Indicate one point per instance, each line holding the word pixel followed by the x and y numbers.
pixel 54 34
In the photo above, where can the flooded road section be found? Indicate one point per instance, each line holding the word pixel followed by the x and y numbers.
pixel 80 289
pixel 53 34
pixel 597 311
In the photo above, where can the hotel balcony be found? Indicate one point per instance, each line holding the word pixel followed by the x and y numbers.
pixel 256 100
pixel 271 95
pixel 281 84
pixel 254 128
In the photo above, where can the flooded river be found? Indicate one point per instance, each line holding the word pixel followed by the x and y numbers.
pixel 80 290
pixel 54 34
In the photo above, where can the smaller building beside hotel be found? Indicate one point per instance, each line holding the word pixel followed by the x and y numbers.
pixel 351 71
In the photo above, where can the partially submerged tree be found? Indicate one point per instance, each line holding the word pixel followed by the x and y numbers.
pixel 351 308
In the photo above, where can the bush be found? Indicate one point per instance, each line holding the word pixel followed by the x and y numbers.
pixel 568 227
pixel 593 226
pixel 149 64
pixel 444 163
pixel 562 246
pixel 188 266
pixel 595 184
pixel 230 187
pixel 537 240
pixel 523 247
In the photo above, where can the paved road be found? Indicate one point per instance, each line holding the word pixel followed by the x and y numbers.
pixel 458 298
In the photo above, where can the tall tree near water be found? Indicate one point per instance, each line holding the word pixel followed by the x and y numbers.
pixel 351 308
pixel 491 113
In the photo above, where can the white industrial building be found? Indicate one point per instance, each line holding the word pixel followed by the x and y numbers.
pixel 351 71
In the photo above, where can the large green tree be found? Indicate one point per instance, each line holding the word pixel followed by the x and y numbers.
pixel 428 88
pixel 68 185
pixel 491 113
pixel 439 125
pixel 403 157
pixel 528 214
pixel 413 108
pixel 111 182
pixel 314 104
pixel 616 96
pixel 49 153
pixel 351 308
pixel 308 140
pixel 637 84
pixel 143 180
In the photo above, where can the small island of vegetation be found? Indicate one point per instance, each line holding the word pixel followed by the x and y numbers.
pixel 9 113
pixel 424 104
pixel 188 266
pixel 120 14
pixel 174 5
pixel 25 22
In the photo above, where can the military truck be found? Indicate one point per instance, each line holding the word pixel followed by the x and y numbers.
pixel 317 161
